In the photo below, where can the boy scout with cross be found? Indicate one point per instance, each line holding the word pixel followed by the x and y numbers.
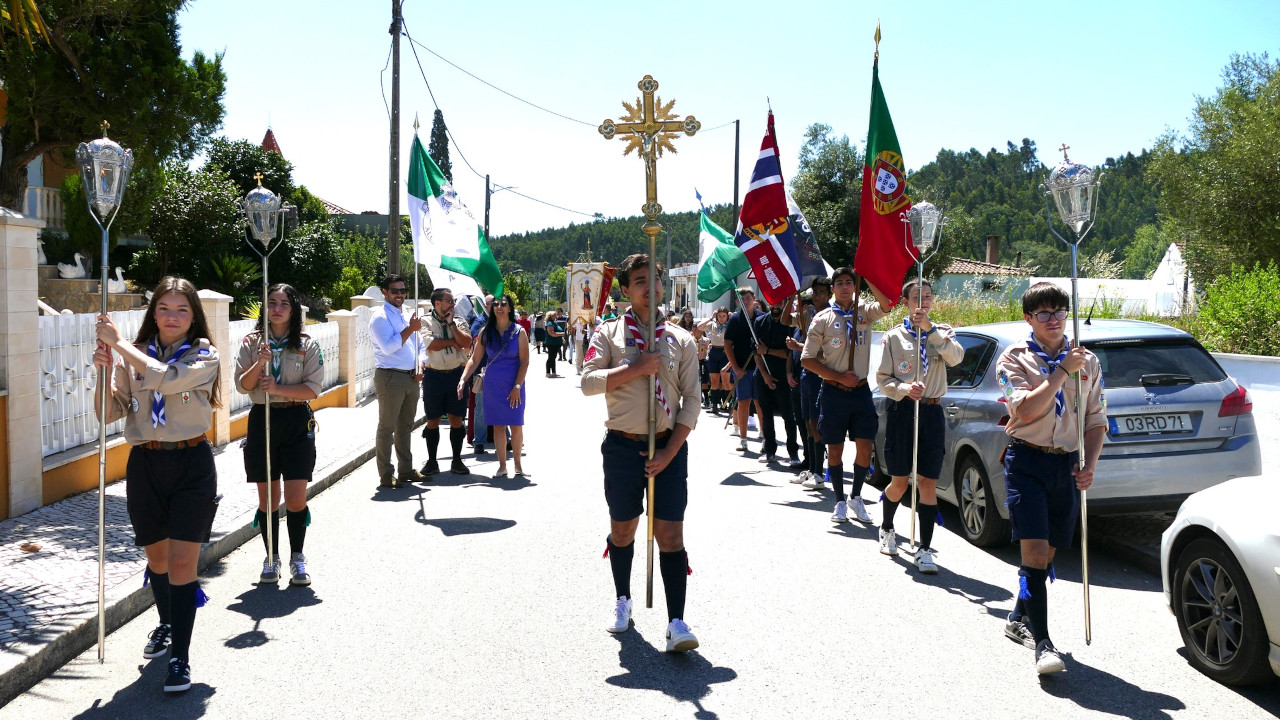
pixel 618 365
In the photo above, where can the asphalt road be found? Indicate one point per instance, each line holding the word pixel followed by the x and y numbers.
pixel 475 598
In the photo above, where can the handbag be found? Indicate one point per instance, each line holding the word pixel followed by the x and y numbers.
pixel 477 380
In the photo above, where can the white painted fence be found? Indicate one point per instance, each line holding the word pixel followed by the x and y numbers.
pixel 364 355
pixel 236 332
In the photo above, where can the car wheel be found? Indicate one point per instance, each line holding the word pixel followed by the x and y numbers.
pixel 979 515
pixel 1218 616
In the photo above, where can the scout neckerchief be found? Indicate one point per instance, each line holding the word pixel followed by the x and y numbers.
pixel 924 356
pixel 851 317
pixel 633 331
pixel 446 330
pixel 157 400
pixel 1059 400
pixel 277 346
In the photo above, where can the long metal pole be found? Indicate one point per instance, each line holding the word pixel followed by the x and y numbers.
pixel 737 154
pixel 1084 494
pixel 915 431
pixel 393 204
pixel 488 194
pixel 266 413
pixel 652 229
pixel 104 381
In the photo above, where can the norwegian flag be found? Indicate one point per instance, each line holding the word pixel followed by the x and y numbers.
pixel 764 228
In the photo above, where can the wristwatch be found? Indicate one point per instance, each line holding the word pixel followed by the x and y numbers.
pixel 517 386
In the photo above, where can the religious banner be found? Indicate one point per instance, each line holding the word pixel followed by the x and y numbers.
pixel 882 258
pixel 606 285
pixel 585 282
pixel 764 228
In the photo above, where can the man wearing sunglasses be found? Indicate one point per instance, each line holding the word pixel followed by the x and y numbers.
pixel 1041 470
pixel 448 338
pixel 397 353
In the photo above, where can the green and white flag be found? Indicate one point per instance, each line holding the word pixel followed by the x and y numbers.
pixel 446 235
pixel 722 262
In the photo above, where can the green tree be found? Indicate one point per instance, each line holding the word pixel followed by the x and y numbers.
pixel 828 188
pixel 555 282
pixel 106 60
pixel 241 160
pixel 193 218
pixel 1220 182
pixel 1144 253
pixel 517 286
pixel 438 145
pixel 308 260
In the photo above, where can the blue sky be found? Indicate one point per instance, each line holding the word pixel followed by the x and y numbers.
pixel 1104 77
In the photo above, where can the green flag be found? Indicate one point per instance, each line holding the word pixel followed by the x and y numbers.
pixel 722 262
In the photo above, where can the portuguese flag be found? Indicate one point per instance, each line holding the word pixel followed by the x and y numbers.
pixel 882 258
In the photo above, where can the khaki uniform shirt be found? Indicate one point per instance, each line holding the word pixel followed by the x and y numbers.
pixel 1021 371
pixel 900 356
pixel 628 404
pixel 185 385
pixel 828 339
pixel 304 366
pixel 714 331
pixel 451 357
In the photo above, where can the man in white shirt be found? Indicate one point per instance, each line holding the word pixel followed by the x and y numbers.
pixel 397 355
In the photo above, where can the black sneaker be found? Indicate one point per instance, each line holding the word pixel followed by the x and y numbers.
pixel 1017 631
pixel 431 468
pixel 1048 661
pixel 158 641
pixel 179 677
pixel 459 467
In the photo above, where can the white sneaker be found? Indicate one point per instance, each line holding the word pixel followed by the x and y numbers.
pixel 621 616
pixel 1048 661
pixel 888 542
pixel 859 510
pixel 816 482
pixel 270 571
pixel 803 476
pixel 841 513
pixel 766 459
pixel 298 570
pixel 751 422
pixel 924 561
pixel 742 445
pixel 679 637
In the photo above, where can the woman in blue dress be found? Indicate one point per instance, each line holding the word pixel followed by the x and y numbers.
pixel 506 345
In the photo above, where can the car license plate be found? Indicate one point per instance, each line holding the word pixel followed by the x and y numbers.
pixel 1156 424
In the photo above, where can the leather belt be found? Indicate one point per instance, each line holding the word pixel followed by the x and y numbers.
pixel 640 437
pixel 288 403
pixel 443 372
pixel 844 388
pixel 406 372
pixel 923 401
pixel 1041 448
pixel 163 445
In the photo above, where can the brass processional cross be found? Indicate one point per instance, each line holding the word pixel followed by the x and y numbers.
pixel 649 127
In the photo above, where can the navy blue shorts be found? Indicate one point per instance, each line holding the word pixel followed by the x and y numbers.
pixel 171 494
pixel 293 454
pixel 1042 497
pixel 846 413
pixel 899 429
pixel 810 386
pixel 625 483
pixel 746 387
pixel 440 393
pixel 716 359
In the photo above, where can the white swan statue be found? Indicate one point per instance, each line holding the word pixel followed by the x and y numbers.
pixel 117 285
pixel 41 258
pixel 73 271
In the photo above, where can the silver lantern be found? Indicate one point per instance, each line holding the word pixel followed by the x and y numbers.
pixel 925 220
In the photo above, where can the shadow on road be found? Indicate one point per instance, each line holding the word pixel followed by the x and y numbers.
pixel 265 602
pixel 998 601
pixel 743 480
pixel 1265 695
pixel 474 480
pixel 685 677
pixel 381 494
pixel 145 698
pixel 466 526
pixel 1102 692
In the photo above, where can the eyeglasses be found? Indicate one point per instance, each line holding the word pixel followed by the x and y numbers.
pixel 1046 315
pixel 502 303
pixel 398 291
pixel 450 301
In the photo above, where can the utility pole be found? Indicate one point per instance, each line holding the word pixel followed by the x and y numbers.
pixel 393 206
pixel 737 153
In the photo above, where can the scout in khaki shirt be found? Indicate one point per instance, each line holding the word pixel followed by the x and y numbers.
pixel 448 340
pixel 901 358
pixel 166 390
pixel 619 365
pixel 1041 470
pixel 837 350
pixel 290 368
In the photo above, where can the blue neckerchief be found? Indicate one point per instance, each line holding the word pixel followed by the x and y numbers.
pixel 1059 400
pixel 851 319
pixel 157 400
pixel 924 356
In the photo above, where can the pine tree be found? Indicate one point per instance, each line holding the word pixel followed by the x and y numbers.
pixel 438 147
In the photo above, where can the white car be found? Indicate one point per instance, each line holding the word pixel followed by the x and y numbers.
pixel 1220 567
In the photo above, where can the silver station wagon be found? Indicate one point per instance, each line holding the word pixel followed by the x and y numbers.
pixel 1178 424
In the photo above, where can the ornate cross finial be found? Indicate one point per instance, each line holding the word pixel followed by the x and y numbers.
pixel 258 176
pixel 877 57
pixel 651 126
pixel 415 123
pixel 105 126
pixel 1065 147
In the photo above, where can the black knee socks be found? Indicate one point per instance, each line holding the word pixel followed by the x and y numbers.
pixel 859 477
pixel 456 436
pixel 675 579
pixel 433 441
pixel 890 509
pixel 928 515
pixel 260 519
pixel 818 460
pixel 298 522
pixel 182 603
pixel 835 473
pixel 1035 601
pixel 160 591
pixel 620 562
